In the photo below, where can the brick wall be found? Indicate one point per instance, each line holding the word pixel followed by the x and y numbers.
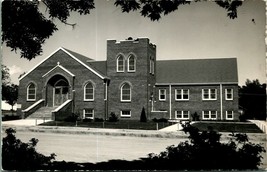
pixel 76 84
pixel 139 80
pixel 195 102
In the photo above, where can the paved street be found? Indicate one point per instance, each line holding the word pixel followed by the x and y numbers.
pixel 96 148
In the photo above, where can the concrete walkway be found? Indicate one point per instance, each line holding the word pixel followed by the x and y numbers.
pixel 33 126
pixel 261 124
pixel 24 122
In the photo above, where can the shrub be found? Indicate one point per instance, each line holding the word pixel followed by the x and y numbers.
pixel 205 151
pixel 143 116
pixel 72 118
pixel 17 155
pixel 195 117
pixel 87 120
pixel 99 120
pixel 113 117
pixel 9 118
pixel 160 120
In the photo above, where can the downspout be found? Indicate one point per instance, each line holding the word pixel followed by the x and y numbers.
pixel 170 97
pixel 221 101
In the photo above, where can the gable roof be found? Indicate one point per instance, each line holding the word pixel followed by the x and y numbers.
pixel 76 56
pixel 100 66
pixel 61 67
pixel 197 71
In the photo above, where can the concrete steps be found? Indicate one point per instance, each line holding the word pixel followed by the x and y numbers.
pixel 43 112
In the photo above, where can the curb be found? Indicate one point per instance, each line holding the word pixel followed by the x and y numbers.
pixel 98 131
pixel 258 137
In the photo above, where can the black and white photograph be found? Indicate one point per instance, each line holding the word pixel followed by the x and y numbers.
pixel 134 85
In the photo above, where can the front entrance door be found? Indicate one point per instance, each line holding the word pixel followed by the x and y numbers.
pixel 61 95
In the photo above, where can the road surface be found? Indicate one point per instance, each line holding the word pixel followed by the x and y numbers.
pixel 96 148
pixel 99 148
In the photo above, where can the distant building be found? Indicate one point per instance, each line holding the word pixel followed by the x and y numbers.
pixel 131 78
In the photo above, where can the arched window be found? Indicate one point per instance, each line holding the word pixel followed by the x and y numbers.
pixel 126 92
pixel 89 92
pixel 120 63
pixel 31 92
pixel 131 63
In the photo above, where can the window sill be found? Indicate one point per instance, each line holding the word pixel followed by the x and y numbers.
pixel 182 100
pixel 126 101
pixel 88 100
pixel 209 99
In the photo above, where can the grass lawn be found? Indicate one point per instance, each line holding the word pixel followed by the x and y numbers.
pixel 237 127
pixel 123 124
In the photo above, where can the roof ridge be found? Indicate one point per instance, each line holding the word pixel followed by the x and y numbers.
pixel 75 53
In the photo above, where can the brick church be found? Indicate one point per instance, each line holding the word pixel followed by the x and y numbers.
pixel 131 78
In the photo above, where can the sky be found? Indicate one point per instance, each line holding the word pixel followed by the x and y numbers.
pixel 198 30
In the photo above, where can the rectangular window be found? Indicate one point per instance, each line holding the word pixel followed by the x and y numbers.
pixel 126 113
pixel 181 94
pixel 229 94
pixel 209 94
pixel 229 115
pixel 182 114
pixel 162 94
pixel 88 113
pixel 209 115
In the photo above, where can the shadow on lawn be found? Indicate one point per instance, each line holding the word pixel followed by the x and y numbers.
pixel 203 151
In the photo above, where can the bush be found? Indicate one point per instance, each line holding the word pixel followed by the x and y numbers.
pixel 72 118
pixel 9 118
pixel 17 155
pixel 113 117
pixel 99 120
pixel 195 117
pixel 205 151
pixel 160 120
pixel 143 116
pixel 87 120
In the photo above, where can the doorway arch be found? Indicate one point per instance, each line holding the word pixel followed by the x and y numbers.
pixel 58 90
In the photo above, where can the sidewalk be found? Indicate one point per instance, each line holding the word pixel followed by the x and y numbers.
pixel 31 125
pixel 24 122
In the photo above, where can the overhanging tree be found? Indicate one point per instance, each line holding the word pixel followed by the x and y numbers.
pixel 25 28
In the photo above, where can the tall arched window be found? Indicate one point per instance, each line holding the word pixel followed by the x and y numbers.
pixel 120 63
pixel 89 92
pixel 131 63
pixel 31 92
pixel 126 92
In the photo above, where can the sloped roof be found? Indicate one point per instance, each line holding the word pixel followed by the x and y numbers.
pixel 81 57
pixel 197 71
pixel 100 66
pixel 83 60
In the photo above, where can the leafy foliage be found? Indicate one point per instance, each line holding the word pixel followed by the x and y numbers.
pixel 252 98
pixel 154 9
pixel 143 115
pixel 10 94
pixel 17 155
pixel 113 117
pixel 25 28
pixel 5 75
pixel 204 150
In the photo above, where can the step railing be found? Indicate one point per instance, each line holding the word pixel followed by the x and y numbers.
pixel 33 108
pixel 61 112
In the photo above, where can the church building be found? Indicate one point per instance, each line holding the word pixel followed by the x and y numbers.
pixel 131 78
